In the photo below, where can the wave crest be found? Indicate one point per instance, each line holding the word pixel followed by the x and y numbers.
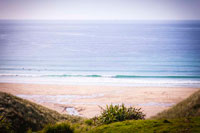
pixel 98 76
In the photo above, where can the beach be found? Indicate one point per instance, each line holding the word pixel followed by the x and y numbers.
pixel 87 100
pixel 77 67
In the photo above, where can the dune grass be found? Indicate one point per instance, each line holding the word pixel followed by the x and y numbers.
pixel 20 115
pixel 23 115
pixel 189 107
pixel 181 118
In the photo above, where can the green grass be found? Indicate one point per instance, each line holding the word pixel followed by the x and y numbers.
pixel 114 113
pixel 189 107
pixel 181 118
pixel 58 128
pixel 23 115
pixel 20 115
pixel 5 126
pixel 182 125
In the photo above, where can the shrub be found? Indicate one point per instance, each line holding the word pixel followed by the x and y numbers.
pixel 114 113
pixel 58 128
pixel 29 131
pixel 89 122
pixel 5 127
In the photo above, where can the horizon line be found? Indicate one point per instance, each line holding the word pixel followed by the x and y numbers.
pixel 106 19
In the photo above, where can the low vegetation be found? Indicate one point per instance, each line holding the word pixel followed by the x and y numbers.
pixel 58 128
pixel 5 126
pixel 23 115
pixel 182 125
pixel 18 115
pixel 189 107
pixel 114 113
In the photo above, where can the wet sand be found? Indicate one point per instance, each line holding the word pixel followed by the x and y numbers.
pixel 85 100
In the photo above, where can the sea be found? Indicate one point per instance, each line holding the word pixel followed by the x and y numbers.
pixel 114 53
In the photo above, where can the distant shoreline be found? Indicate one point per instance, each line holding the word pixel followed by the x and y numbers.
pixel 105 80
pixel 84 100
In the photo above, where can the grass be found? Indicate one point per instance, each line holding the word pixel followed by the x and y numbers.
pixel 182 125
pixel 189 107
pixel 58 128
pixel 23 115
pixel 114 113
pixel 20 115
pixel 181 118
pixel 5 126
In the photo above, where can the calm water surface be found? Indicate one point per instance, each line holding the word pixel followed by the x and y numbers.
pixel 130 53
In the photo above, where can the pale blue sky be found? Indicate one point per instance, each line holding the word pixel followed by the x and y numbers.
pixel 100 9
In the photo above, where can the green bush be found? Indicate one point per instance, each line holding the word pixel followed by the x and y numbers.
pixel 5 127
pixel 58 128
pixel 114 113
pixel 89 122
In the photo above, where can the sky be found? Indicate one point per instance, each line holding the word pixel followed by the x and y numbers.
pixel 100 9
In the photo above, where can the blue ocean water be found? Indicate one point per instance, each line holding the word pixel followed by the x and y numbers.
pixel 130 53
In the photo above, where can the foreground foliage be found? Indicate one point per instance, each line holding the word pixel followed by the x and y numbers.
pixel 5 127
pixel 23 115
pixel 58 128
pixel 189 107
pixel 18 115
pixel 183 125
pixel 114 113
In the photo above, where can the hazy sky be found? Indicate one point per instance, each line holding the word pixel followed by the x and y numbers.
pixel 100 9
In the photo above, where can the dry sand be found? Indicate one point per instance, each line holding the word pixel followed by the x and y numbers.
pixel 87 99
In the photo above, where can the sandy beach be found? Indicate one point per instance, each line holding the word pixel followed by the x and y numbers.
pixel 85 100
